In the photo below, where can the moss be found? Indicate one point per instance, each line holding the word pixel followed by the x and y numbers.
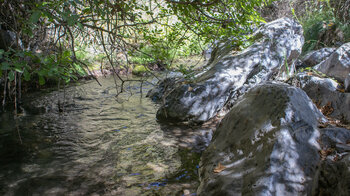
pixel 140 70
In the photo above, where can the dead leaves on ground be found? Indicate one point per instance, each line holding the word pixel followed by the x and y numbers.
pixel 327 109
pixel 219 168
pixel 326 152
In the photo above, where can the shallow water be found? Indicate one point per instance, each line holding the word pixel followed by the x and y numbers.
pixel 98 145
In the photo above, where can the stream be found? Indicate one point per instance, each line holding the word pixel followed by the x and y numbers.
pixel 99 144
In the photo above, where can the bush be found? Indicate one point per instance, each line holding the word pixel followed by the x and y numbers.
pixel 323 28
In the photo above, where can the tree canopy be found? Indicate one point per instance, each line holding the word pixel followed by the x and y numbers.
pixel 52 32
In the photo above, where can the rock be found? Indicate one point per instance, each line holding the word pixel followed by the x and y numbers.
pixel 332 137
pixel 315 57
pixel 334 177
pixel 266 145
pixel 8 39
pixel 300 64
pixel 163 86
pixel 277 44
pixel 347 83
pixel 334 173
pixel 324 91
pixel 337 65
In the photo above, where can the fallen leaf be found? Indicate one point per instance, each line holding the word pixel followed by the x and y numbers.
pixel 336 158
pixel 325 153
pixel 219 168
pixel 309 73
pixel 190 88
pixel 341 90
pixel 327 109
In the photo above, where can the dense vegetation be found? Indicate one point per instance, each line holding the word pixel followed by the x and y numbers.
pixel 57 41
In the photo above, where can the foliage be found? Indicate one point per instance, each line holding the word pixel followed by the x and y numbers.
pixel 341 10
pixel 54 66
pixel 322 19
pixel 142 31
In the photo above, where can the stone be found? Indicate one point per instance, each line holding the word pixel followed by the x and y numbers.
pixel 337 65
pixel 163 86
pixel 315 57
pixel 325 91
pixel 347 83
pixel 8 39
pixel 266 145
pixel 334 173
pixel 277 45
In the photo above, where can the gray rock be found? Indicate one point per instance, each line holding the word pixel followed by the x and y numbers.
pixel 323 91
pixel 334 177
pixel 337 65
pixel 335 137
pixel 8 39
pixel 268 144
pixel 277 44
pixel 315 57
pixel 334 173
pixel 347 83
pixel 163 86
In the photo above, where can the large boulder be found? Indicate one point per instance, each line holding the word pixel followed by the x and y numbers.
pixel 277 45
pixel 325 92
pixel 266 145
pixel 337 65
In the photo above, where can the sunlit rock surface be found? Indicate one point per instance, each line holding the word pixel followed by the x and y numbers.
pixel 277 45
pixel 267 144
pixel 315 57
pixel 337 65
pixel 324 91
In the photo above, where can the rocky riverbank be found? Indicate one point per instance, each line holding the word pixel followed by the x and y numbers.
pixel 285 132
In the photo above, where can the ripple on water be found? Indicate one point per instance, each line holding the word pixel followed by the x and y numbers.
pixel 100 145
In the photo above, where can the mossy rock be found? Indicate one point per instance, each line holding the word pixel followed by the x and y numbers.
pixel 140 70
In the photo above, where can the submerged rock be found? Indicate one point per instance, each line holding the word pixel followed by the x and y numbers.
pixel 337 65
pixel 266 145
pixel 324 92
pixel 277 45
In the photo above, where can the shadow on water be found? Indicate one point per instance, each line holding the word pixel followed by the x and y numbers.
pixel 99 145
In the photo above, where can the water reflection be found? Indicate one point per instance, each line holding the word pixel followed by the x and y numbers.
pixel 97 146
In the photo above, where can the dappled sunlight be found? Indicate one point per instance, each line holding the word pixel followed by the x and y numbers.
pixel 284 164
pixel 238 72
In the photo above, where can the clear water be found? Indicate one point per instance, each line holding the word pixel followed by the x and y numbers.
pixel 99 145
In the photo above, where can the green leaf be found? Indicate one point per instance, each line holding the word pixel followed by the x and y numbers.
pixel 11 76
pixel 81 27
pixel 34 18
pixel 26 75
pixel 5 65
pixel 41 80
